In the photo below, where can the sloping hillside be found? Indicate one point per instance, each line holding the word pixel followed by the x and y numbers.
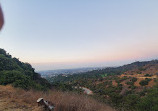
pixel 129 88
pixel 19 74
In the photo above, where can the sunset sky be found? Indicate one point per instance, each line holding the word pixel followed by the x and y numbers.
pixel 59 34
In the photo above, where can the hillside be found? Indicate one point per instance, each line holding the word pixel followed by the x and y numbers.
pixel 103 72
pixel 13 99
pixel 130 87
pixel 19 74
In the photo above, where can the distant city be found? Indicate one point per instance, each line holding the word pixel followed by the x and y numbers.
pixel 64 72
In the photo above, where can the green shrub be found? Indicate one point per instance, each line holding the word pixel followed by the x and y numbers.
pixel 144 82
pixel 147 75
pixel 130 101
pixel 129 83
pixel 134 79
pixel 149 102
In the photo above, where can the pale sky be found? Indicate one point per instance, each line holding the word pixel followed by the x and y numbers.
pixel 59 34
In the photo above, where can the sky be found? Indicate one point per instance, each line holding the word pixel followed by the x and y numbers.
pixel 59 34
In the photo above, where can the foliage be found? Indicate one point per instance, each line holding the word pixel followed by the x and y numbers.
pixel 19 74
pixel 147 75
pixel 130 101
pixel 134 79
pixel 149 101
pixel 144 82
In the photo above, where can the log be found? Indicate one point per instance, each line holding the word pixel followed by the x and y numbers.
pixel 47 105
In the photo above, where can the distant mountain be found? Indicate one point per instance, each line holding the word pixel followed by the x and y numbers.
pixel 98 73
pixel 19 74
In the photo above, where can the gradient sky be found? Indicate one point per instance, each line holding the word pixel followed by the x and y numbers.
pixel 58 34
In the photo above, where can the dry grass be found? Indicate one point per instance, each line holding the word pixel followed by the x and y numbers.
pixel 12 99
pixel 114 83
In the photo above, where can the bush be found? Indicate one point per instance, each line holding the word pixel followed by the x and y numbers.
pixel 130 101
pixel 129 83
pixel 149 102
pixel 134 79
pixel 144 82
pixel 147 75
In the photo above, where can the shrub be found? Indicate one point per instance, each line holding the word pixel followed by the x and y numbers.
pixel 147 75
pixel 129 83
pixel 149 102
pixel 130 101
pixel 144 82
pixel 134 79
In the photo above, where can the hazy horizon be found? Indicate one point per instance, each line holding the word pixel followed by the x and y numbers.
pixel 72 34
pixel 59 66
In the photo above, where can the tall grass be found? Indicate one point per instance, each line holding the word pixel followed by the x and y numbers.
pixel 64 101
